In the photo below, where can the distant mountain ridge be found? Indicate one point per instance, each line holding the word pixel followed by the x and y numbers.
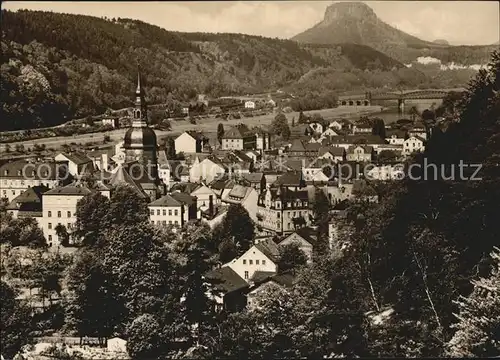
pixel 356 22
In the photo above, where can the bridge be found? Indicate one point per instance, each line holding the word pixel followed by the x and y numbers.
pixel 399 96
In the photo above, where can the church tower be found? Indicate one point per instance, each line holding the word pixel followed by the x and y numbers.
pixel 139 142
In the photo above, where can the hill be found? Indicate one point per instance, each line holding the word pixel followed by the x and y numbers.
pixel 56 67
pixel 441 42
pixel 355 22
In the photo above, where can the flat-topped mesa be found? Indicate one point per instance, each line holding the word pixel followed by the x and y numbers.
pixel 341 10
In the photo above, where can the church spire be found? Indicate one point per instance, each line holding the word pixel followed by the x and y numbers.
pixel 140 111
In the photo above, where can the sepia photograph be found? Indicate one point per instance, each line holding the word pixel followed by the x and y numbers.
pixel 249 180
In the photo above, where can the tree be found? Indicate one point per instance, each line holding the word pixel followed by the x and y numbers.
pixel 15 322
pixel 62 234
pixel 170 148
pixel 145 338
pixel 321 209
pixel 387 156
pixel 227 250
pixel 280 126
pixel 127 207
pixel 238 227
pixel 94 307
pixel 291 257
pixel 478 327
pixel 378 127
pixel 303 119
pixel 91 218
pixel 220 132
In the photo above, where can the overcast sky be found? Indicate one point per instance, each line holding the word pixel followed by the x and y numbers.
pixel 458 22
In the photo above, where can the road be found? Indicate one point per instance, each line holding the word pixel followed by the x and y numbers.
pixel 207 125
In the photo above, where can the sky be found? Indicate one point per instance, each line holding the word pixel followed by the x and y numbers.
pixel 458 22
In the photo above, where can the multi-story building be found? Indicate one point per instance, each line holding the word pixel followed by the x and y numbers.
pixel 413 144
pixel 166 210
pixel 239 137
pixel 359 153
pixel 190 142
pixel 17 176
pixel 279 208
pixel 59 207
pixel 77 162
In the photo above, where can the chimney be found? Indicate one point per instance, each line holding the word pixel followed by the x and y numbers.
pixel 211 205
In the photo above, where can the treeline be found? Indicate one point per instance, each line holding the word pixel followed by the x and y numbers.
pixel 56 67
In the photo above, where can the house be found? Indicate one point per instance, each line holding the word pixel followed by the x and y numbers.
pixel 327 133
pixel 349 140
pixel 332 153
pixel 117 345
pixel 305 238
pixel 17 176
pixel 191 142
pixel 418 130
pixel 249 104
pixel 59 207
pixel 246 196
pixel 395 137
pixel 301 130
pixel 189 204
pixel 300 149
pixel 206 198
pixel 206 170
pixel 413 144
pixel 362 126
pixel 316 127
pixel 359 153
pixel 227 288
pixel 263 139
pixel 262 256
pixel 110 121
pixel 256 180
pixel 263 283
pixel 386 172
pixel 77 162
pixel 313 171
pixel 239 137
pixel 335 124
pixel 271 102
pixel 28 204
pixel 167 210
pixel 279 207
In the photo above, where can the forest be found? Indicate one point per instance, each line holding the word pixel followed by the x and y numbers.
pixel 58 67
pixel 420 276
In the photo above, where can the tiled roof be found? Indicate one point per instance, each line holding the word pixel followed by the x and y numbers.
pixel 122 177
pixel 260 276
pixel 291 178
pixel 238 191
pixel 198 135
pixel 367 149
pixel 68 190
pixel 166 200
pixel 184 198
pixel 23 169
pixel 253 177
pixel 269 248
pixel 285 279
pixel 29 200
pixel 226 279
pixel 77 157
pixel 297 146
pixel 334 150
pixel 238 132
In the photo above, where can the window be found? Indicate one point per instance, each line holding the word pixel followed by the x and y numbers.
pixel 170 222
pixel 158 212
pixel 246 275
pixel 176 222
pixel 50 226
pixel 169 212
pixel 263 262
pixel 250 262
pixel 151 212
pixel 164 222
pixel 5 192
pixel 164 212
pixel 152 222
pixel 58 214
pixel 49 213
pixel 256 262
pixel 68 225
pixel 244 262
pixel 50 237
pixel 69 214
pixel 13 192
pixel 176 212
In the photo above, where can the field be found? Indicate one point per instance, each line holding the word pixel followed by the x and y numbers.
pixel 206 125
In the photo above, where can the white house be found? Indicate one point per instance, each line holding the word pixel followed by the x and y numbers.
pixel 413 144
pixel 304 239
pixel 359 153
pixel 190 142
pixel 246 196
pixel 332 153
pixel 59 207
pixel 260 257
pixel 328 132
pixel 386 172
pixel 249 104
pixel 78 163
pixel 205 196
pixel 335 125
pixel 167 211
pixel 206 170
pixel 316 127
